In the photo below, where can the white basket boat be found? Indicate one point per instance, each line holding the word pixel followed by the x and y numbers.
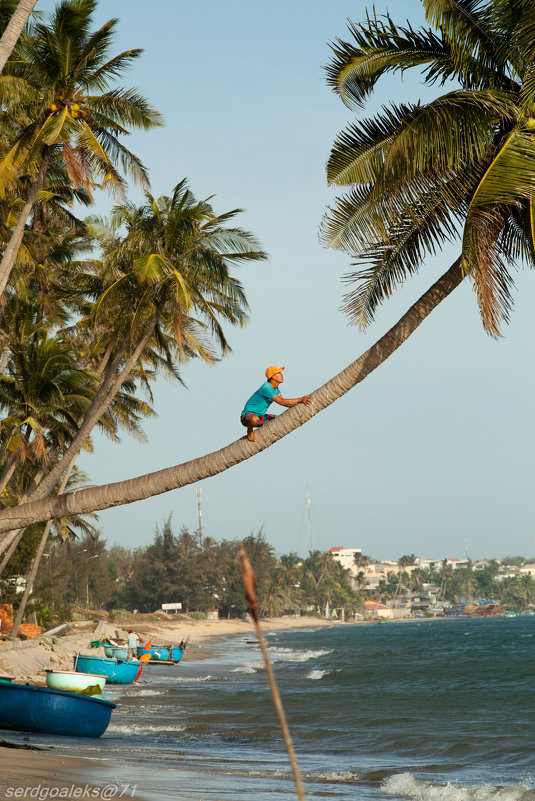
pixel 72 681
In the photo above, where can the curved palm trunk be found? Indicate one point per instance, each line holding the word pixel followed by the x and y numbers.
pixel 12 538
pixel 11 541
pixel 14 29
pixel 10 466
pixel 109 495
pixel 12 247
pixel 30 578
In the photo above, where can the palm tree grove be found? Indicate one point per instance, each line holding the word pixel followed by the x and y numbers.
pixel 96 309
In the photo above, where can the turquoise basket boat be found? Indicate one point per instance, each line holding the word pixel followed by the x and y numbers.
pixel 118 651
pixel 162 653
pixel 116 671
pixel 24 707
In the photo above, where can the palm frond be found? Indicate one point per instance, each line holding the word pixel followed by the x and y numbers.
pixel 483 260
pixel 421 230
pixel 379 47
pixel 511 173
pixel 128 107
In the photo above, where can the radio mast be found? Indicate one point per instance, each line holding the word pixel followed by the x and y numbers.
pixel 309 522
pixel 199 512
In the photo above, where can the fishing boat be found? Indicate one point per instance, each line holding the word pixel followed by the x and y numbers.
pixel 117 671
pixel 162 653
pixel 25 707
pixel 75 681
pixel 6 678
pixel 118 651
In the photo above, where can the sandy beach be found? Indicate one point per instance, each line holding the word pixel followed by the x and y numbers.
pixel 29 659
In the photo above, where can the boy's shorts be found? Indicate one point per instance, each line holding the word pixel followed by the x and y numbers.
pixel 261 420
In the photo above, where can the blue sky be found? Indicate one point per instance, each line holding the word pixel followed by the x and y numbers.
pixel 433 453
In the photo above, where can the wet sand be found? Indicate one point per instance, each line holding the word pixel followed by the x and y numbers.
pixel 45 774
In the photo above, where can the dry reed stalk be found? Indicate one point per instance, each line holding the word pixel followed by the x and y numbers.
pixel 249 583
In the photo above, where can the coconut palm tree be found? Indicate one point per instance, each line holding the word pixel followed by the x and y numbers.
pixel 172 268
pixel 419 174
pixel 64 530
pixel 361 560
pixel 407 560
pixel 75 116
pixel 19 18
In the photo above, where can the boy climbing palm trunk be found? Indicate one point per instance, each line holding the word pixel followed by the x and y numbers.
pixel 255 414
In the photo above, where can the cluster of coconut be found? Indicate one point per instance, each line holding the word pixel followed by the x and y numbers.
pixel 74 107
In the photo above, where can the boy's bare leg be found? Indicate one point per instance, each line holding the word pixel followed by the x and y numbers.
pixel 251 423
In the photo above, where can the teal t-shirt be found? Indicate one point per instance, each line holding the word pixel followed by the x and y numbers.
pixel 260 401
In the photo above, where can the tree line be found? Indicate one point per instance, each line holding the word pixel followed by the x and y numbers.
pixel 180 566
pixel 84 576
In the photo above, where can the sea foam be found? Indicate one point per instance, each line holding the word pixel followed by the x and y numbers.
pixel 317 674
pixel 407 786
pixel 137 729
pixel 289 655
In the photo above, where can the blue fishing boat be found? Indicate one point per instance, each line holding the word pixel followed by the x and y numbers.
pixel 25 707
pixel 162 653
pixel 117 671
pixel 118 651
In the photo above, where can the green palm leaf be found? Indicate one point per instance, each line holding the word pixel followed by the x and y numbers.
pixel 381 47
pixel 511 173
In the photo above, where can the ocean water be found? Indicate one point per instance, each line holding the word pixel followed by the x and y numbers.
pixel 428 711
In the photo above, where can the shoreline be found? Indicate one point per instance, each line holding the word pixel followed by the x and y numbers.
pixel 49 773
pixel 28 659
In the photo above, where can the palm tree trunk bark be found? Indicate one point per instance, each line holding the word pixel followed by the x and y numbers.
pixel 30 578
pixel 12 247
pixel 10 467
pixel 147 486
pixel 14 29
pixel 14 537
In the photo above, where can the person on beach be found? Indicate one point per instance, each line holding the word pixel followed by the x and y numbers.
pixel 255 413
pixel 133 642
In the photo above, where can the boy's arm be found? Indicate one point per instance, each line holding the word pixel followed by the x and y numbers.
pixel 306 399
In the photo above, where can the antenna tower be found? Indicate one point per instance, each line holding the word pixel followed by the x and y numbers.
pixel 199 511
pixel 309 522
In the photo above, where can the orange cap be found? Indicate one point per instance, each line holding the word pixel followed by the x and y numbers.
pixel 270 372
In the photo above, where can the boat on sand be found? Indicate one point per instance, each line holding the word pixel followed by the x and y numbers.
pixel 75 681
pixel 117 671
pixel 26 707
pixel 162 653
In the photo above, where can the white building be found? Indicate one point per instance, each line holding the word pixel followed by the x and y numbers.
pixel 346 557
pixel 527 570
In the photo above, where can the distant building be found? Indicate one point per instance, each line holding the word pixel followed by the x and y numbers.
pixel 375 609
pixel 346 557
pixel 527 570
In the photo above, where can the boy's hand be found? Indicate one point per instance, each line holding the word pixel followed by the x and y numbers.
pixel 306 399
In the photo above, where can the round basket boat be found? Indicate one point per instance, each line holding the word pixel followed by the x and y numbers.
pixel 74 682
pixel 25 707
pixel 115 651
